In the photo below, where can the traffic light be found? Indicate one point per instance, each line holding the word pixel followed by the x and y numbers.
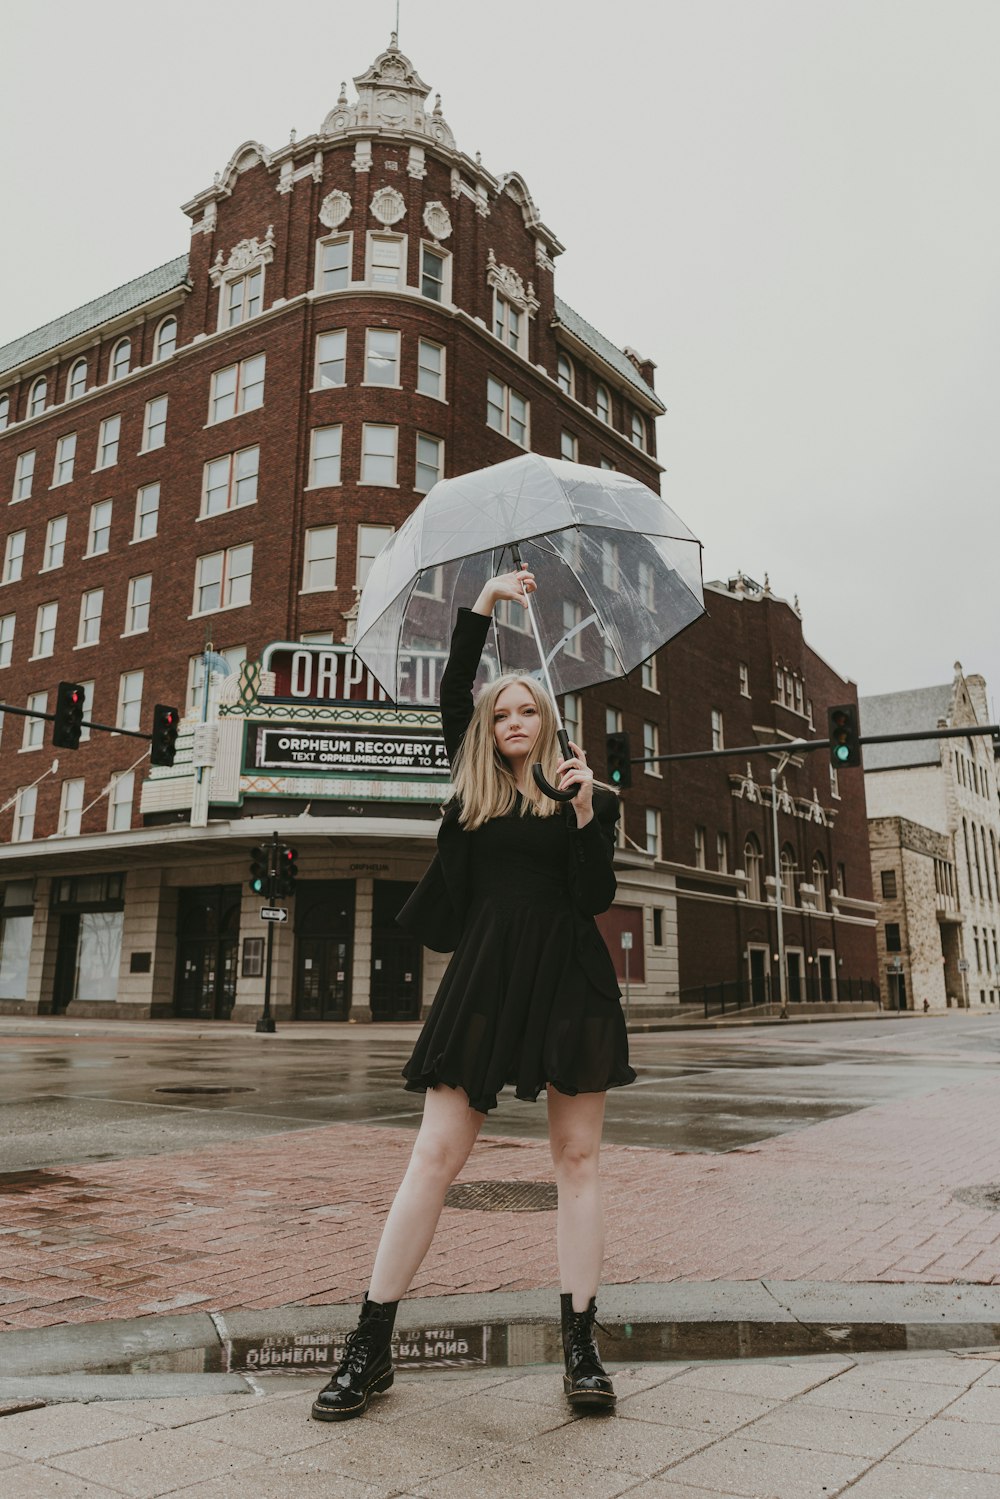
pixel 164 737
pixel 69 716
pixel 619 761
pixel 288 869
pixel 260 870
pixel 842 732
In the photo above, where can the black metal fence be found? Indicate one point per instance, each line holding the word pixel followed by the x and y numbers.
pixel 746 994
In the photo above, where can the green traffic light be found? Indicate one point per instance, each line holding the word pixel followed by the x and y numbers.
pixel 257 886
pixel 842 752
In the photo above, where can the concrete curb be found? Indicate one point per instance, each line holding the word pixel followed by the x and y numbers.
pixel 651 1322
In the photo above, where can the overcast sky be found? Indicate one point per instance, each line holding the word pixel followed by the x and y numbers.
pixel 790 205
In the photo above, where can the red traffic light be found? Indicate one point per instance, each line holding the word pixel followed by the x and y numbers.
pixel 163 740
pixel 68 722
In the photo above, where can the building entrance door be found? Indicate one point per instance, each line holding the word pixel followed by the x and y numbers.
pixel 396 957
pixel 827 983
pixel 65 976
pixel 324 939
pixel 897 991
pixel 208 931
pixel 758 975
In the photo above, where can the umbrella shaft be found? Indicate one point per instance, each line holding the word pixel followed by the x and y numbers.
pixel 560 727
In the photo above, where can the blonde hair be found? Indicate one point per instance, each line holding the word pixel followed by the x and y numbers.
pixel 483 781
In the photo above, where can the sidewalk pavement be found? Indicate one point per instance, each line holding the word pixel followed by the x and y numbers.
pixel 897 1193
pixel 913 1427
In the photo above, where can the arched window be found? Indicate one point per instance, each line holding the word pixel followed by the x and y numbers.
pixel 166 339
pixel 121 359
pixel 753 864
pixel 821 882
pixel 4 412
pixel 76 382
pixel 564 374
pixel 788 873
pixel 602 404
pixel 638 430
pixel 39 395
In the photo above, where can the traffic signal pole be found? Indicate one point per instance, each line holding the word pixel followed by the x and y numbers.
pixel 806 746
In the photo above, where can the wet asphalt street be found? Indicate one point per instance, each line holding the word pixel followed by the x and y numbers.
pixel 91 1092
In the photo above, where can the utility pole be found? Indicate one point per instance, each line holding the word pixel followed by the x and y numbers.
pixel 776 770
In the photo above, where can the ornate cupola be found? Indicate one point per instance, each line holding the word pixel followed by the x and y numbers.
pixel 391 97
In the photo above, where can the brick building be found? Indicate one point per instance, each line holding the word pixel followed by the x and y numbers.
pixel 946 791
pixel 197 470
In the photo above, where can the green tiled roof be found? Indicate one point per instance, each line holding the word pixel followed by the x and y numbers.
pixel 92 314
pixel 609 352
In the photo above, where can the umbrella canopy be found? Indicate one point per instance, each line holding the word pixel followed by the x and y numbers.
pixel 618 575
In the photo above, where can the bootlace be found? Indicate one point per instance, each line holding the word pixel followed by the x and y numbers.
pixel 581 1333
pixel 356 1351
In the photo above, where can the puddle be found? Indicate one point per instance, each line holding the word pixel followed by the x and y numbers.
pixel 24 1183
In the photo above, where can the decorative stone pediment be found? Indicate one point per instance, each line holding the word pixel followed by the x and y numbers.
pixel 334 209
pixel 388 206
pixel 505 280
pixel 242 159
pixel 243 257
pixel 391 97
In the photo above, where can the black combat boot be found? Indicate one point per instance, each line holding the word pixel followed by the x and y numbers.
pixel 585 1381
pixel 365 1368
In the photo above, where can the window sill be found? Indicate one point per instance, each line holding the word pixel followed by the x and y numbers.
pixel 47 657
pixel 136 539
pixel 221 609
pixel 102 467
pixel 53 569
pixel 332 589
pixel 318 390
pixel 131 634
pixel 216 514
pixel 158 449
pixel 61 484
pixel 220 421
pixel 441 400
pixel 377 484
pixel 85 645
pixel 88 555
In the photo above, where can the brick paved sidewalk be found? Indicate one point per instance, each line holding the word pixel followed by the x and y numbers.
pixel 294 1218
pixel 873 1428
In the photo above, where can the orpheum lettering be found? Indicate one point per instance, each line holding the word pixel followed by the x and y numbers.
pixel 331 674
pixel 347 753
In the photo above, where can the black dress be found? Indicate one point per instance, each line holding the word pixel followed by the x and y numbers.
pixel 516 1006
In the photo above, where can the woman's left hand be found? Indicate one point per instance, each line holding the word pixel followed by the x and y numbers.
pixel 576 771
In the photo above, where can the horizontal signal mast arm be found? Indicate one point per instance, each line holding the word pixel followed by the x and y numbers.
pixel 806 746
pixel 85 723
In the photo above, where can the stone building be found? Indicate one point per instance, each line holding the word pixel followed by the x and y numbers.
pixel 921 793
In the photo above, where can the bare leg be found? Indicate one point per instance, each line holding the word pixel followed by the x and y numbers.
pixel 447 1134
pixel 575 1126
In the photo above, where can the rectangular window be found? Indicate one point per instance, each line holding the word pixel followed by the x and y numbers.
pixel 744 679
pixel 13 557
pixel 222 579
pixel 889 884
pixel 108 439
pixel 71 808
pixel 430 369
pixel 514 616
pixel 834 782
pixel 45 630
pixel 91 605
pixel 237 388
pixel 572 616
pixel 154 425
pixel 137 608
pixel 230 481
pixel 88 709
pixel 722 852
pixel 842 878
pixel 16 920
pixel 129 700
pixel 567 446
pixel 243 298
pixel 24 473
pixel 651 747
pixel 433 273
pixel 430 462
pixel 610 569
pixel 507 411
pixel 378 455
pixel 65 459
pixel 34 728
pixel 371 540
pixel 55 543
pixel 699 848
pixel 718 740
pixel 324 460
pixel 385 260
pixel 571 715
pixel 647 586
pixel 509 323
pixel 99 534
pixel 335 264
pixel 893 938
pixel 648 674
pixel 7 624
pixel 24 814
pixel 319 572
pixel 430 583
pixel 657 926
pixel 147 512
pixel 381 356
pixel 120 802
pixel 653 832
pixel 612 720
pixel 331 359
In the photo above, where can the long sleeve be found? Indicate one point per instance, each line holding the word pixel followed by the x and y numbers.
pixel 455 700
pixel 594 852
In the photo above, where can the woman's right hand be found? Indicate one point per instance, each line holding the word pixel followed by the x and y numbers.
pixel 512 586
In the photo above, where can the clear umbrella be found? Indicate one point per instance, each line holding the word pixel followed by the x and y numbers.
pixel 618 575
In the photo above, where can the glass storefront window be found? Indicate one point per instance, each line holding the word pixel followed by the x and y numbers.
pixel 16 919
pixel 98 955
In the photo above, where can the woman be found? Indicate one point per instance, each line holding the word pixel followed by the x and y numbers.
pixel 530 997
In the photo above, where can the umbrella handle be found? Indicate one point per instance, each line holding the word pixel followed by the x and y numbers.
pixel 539 774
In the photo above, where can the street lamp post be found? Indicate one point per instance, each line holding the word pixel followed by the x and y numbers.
pixel 778 908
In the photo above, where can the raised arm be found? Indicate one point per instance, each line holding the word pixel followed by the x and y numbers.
pixel 467 641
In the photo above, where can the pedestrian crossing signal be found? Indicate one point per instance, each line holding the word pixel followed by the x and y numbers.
pixel 843 734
